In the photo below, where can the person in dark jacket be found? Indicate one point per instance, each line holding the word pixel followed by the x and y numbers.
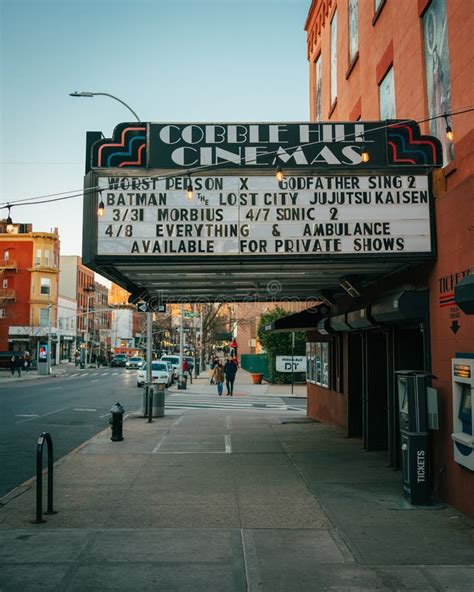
pixel 230 370
pixel 12 365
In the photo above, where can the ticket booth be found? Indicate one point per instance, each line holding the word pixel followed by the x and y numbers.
pixel 463 416
pixel 412 388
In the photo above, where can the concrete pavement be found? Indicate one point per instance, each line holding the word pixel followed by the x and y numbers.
pixel 231 500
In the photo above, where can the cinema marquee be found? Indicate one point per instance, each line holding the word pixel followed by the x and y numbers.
pixel 332 215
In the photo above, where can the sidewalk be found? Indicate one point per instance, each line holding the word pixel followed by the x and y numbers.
pixel 244 385
pixel 231 500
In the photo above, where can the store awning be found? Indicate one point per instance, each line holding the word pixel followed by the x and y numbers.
pixel 305 320
pixel 464 294
pixel 401 306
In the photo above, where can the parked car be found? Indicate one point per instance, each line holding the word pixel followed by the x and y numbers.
pixel 159 374
pixel 174 361
pixel 170 371
pixel 119 360
pixel 136 362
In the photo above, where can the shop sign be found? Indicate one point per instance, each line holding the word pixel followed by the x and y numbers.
pixel 266 145
pixel 290 363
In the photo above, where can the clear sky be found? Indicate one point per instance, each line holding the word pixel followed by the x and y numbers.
pixel 170 60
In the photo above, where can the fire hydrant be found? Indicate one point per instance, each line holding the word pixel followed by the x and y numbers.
pixel 116 421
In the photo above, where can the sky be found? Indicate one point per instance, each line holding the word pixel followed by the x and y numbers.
pixel 170 60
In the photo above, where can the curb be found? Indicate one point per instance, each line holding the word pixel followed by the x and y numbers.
pixel 26 485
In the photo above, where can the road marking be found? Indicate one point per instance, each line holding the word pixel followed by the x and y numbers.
pixel 55 388
pixel 41 416
pixel 251 563
pixel 228 421
pixel 71 375
pixel 27 415
pixel 105 373
pixel 228 444
pixel 157 447
pixel 113 373
pixel 84 409
pixel 95 380
pixel 85 374
pixel 105 415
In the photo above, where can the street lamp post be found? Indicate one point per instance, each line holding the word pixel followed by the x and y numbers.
pixel 97 94
pixel 50 306
pixel 87 289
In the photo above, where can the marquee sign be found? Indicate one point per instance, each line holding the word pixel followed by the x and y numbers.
pixel 331 216
pixel 265 145
pixel 257 216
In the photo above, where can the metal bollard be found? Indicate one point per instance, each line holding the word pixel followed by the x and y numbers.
pixel 116 421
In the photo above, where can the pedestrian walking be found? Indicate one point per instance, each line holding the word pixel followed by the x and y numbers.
pixel 230 370
pixel 218 377
pixel 19 365
pixel 27 361
pixel 12 364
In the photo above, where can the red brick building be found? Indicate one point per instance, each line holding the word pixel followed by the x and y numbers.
pixel 396 59
pixel 29 269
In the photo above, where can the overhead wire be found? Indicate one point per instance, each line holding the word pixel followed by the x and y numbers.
pixel 64 195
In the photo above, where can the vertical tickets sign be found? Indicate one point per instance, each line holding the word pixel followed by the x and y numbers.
pixel 304 215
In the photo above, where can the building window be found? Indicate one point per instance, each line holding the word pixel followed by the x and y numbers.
pixel 317 363
pixel 38 257
pixel 45 286
pixel 2 313
pixel 317 71
pixel 46 258
pixel 6 255
pixel 438 76
pixel 353 29
pixel 387 96
pixel 5 283
pixel 44 317
pixel 334 58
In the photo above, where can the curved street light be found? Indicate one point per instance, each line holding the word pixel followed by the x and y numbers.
pixel 96 94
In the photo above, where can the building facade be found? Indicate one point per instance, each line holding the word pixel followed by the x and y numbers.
pixel 66 330
pixel 77 283
pixel 29 269
pixel 383 60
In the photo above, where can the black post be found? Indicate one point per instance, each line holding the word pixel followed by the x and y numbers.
pixel 150 405
pixel 292 364
pixel 39 477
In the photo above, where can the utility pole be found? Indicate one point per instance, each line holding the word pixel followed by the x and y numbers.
pixel 292 364
pixel 181 341
pixel 50 306
pixel 147 403
pixel 87 289
pixel 201 342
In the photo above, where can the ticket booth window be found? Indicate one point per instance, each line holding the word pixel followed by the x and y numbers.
pixel 465 409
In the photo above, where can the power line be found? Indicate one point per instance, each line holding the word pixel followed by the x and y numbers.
pixel 38 200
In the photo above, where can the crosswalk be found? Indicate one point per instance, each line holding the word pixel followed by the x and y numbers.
pixel 213 401
pixel 90 374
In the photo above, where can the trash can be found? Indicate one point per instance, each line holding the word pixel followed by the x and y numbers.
pixel 182 382
pixel 158 406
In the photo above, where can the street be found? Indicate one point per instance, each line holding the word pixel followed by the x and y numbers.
pixel 77 406
pixel 71 408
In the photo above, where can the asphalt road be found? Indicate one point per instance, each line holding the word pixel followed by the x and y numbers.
pixel 72 409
